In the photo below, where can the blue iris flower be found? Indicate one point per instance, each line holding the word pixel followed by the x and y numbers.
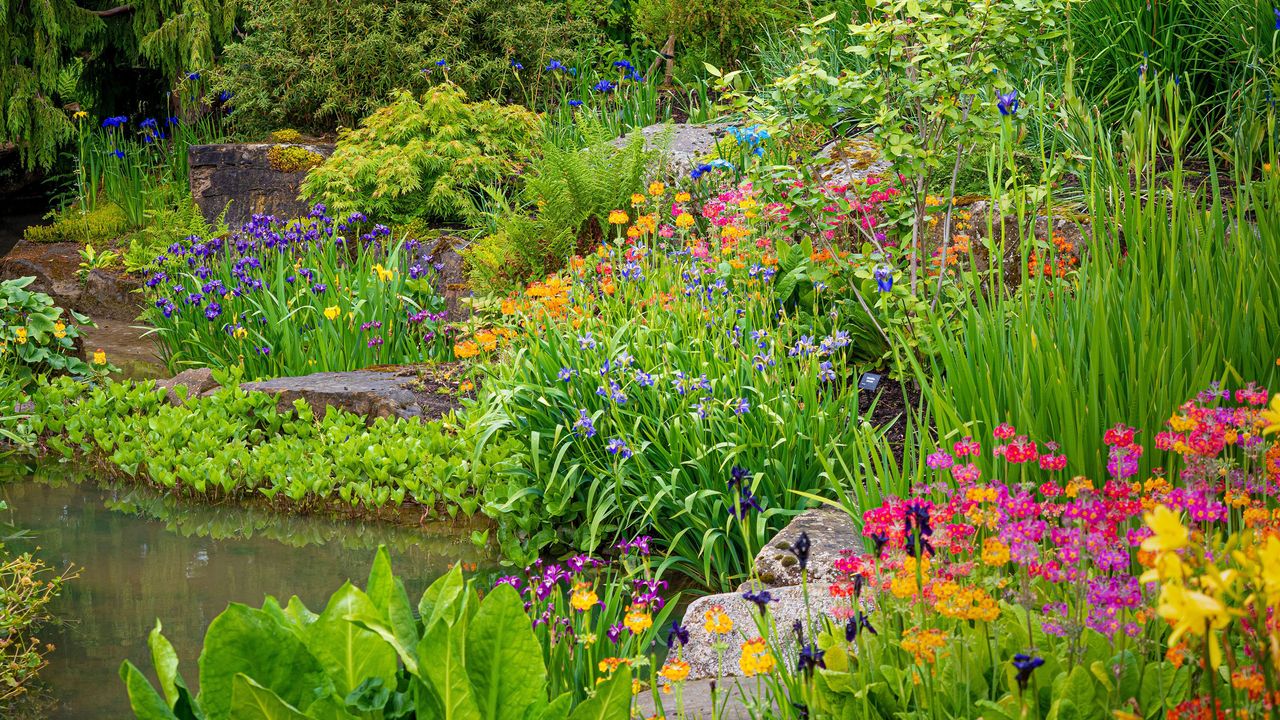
pixel 1007 103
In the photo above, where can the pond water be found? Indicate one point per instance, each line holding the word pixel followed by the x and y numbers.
pixel 143 556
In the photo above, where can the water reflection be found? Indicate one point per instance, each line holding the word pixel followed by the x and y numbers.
pixel 143 556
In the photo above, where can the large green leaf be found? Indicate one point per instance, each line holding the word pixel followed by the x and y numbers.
pixel 165 659
pixel 442 671
pixel 251 701
pixel 504 659
pixel 391 599
pixel 249 641
pixel 349 653
pixel 612 700
pixel 444 598
pixel 143 698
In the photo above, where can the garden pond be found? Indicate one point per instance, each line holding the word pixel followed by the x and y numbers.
pixel 142 557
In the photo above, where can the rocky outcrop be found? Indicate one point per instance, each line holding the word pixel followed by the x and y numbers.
pixel 397 392
pixel 197 382
pixel 447 258
pixel 242 179
pixel 103 294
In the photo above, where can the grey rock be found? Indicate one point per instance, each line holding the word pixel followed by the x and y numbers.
pixel 241 174
pixel 830 531
pixel 104 294
pixel 397 392
pixel 788 605
pixel 197 381
pixel 696 701
pixel 852 159
pixel 451 276
pixel 111 295
pixel 688 145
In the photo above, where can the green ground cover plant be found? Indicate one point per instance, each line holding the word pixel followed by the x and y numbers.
pixel 251 449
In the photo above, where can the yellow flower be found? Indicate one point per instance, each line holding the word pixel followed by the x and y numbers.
pixel 1271 416
pixel 656 188
pixel 718 621
pixel 1169 532
pixel 637 199
pixel 59 330
pixel 674 671
pixel 1193 612
pixel 923 644
pixel 994 552
pixel 683 197
pixel 684 221
pixel 466 386
pixel 466 349
pixel 332 312
pixel 20 335
pixel 583 597
pixel 617 217
pixel 80 115
pixel 756 658
pixel 241 333
pixel 99 357
pixel 383 273
pixel 637 619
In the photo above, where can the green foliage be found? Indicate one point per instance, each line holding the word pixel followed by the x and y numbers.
pixel 723 33
pixel 366 656
pixel 292 158
pixel 37 335
pixel 317 67
pixel 287 135
pixel 104 223
pixel 1222 51
pixel 424 158
pixel 239 444
pixel 1178 290
pixel 168 226
pixel 46 46
pixel 570 193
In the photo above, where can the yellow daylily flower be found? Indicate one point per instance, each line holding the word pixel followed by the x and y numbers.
pixel 1170 534
pixel 1271 416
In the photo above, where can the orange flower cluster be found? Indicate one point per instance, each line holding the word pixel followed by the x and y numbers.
pixel 1066 260
pixel 486 340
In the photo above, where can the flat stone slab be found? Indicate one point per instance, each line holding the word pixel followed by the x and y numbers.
pixel 401 392
pixel 831 532
pixel 711 656
pixel 731 698
pixel 239 178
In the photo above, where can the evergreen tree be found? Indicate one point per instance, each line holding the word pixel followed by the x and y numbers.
pixel 45 44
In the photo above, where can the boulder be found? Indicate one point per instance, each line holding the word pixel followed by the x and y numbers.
pixel 830 531
pixel 243 176
pixel 446 256
pixel 197 381
pixel 689 144
pixel 400 392
pixel 705 650
pixel 105 294
pixel 850 159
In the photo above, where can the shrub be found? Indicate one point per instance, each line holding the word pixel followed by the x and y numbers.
pixel 570 193
pixel 27 587
pixel 277 298
pixel 317 67
pixel 424 158
pixel 287 135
